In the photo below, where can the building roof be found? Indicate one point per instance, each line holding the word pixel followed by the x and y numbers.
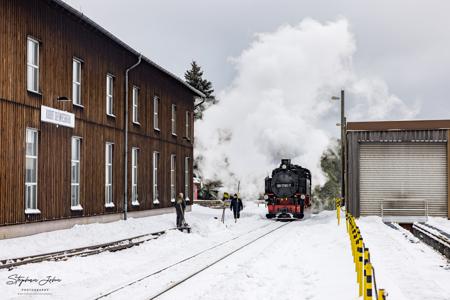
pixel 398 125
pixel 69 9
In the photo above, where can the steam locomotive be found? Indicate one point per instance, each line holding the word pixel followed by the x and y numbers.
pixel 288 192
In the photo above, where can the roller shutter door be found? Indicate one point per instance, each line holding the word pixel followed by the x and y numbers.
pixel 403 170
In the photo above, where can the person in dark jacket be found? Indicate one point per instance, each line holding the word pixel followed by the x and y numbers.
pixel 236 206
pixel 180 206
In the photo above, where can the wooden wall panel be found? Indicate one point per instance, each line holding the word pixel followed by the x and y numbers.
pixel 62 37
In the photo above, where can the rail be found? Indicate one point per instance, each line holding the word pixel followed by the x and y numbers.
pixel 434 237
pixel 118 245
pixel 404 210
pixel 176 283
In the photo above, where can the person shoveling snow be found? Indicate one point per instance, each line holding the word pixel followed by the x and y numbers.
pixel 180 206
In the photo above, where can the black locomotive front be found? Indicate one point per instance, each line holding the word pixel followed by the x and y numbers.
pixel 288 191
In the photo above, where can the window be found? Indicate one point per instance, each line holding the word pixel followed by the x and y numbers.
pixel 134 176
pixel 32 65
pixel 75 174
pixel 186 178
pixel 76 81
pixel 173 177
pixel 135 105
pixel 155 112
pixel 187 125
pixel 109 94
pixel 109 175
pixel 155 177
pixel 174 119
pixel 31 165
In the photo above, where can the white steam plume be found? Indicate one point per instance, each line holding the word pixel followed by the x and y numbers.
pixel 279 106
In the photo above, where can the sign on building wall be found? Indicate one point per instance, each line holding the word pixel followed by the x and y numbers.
pixel 58 117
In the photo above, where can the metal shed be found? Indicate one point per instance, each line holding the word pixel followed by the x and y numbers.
pixel 398 169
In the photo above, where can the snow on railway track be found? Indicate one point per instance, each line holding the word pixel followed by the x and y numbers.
pixel 434 237
pixel 118 245
pixel 118 292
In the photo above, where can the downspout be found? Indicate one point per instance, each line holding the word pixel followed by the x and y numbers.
pixel 203 101
pixel 125 152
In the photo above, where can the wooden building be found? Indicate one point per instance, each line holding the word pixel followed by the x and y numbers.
pixel 63 122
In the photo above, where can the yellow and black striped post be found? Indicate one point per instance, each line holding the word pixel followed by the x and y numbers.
pixel 360 266
pixel 361 259
pixel 381 294
pixel 367 276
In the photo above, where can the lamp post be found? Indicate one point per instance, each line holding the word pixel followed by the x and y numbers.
pixel 63 99
pixel 343 125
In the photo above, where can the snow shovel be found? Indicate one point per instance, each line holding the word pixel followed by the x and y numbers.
pixel 185 224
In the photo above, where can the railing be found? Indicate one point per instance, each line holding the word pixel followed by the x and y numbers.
pixel 365 273
pixel 404 210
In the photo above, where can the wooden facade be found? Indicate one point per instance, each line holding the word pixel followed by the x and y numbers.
pixel 63 35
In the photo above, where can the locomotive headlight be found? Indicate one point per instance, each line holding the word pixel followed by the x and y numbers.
pixel 283 166
pixel 302 197
pixel 266 197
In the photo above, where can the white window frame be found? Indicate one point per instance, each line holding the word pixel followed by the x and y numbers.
pixel 173 177
pixel 109 200
pixel 173 120
pixel 31 205
pixel 156 160
pixel 187 125
pixel 76 82
pixel 110 95
pixel 186 178
pixel 156 102
pixel 135 101
pixel 75 162
pixel 32 67
pixel 134 176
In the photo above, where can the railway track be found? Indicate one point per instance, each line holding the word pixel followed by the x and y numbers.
pixel 434 237
pixel 190 275
pixel 82 251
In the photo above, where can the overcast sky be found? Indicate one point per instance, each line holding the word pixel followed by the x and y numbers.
pixel 404 42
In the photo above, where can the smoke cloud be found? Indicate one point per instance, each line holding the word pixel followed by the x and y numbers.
pixel 278 105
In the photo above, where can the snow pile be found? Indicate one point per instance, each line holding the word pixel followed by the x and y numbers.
pixel 279 106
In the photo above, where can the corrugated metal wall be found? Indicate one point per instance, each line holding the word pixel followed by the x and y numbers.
pixel 357 138
pixel 403 171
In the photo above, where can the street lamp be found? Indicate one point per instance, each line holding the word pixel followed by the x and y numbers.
pixel 343 128
pixel 62 99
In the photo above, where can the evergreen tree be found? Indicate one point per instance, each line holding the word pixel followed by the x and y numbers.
pixel 194 77
pixel 330 163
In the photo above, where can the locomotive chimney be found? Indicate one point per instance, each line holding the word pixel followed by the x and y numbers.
pixel 286 162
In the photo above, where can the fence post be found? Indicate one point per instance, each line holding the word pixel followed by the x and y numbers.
pixel 368 279
pixel 381 294
pixel 359 264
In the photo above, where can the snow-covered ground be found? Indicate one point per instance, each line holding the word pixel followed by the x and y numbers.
pixel 440 223
pixel 310 259
pixel 404 266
